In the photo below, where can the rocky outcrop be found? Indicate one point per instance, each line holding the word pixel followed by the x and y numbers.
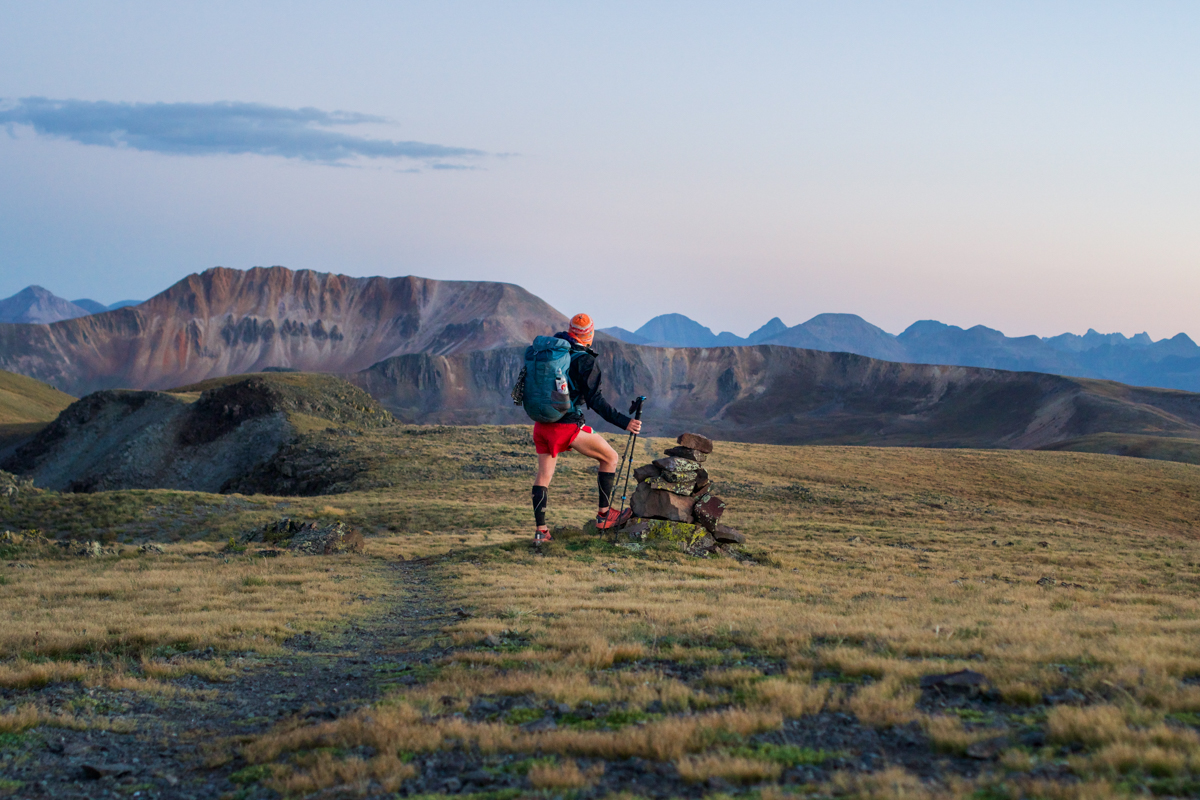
pixel 308 538
pixel 226 322
pixel 199 441
pixel 13 486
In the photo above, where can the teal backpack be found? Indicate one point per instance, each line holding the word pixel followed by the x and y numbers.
pixel 547 393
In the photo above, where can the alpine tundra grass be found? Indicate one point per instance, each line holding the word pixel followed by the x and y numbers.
pixel 1070 581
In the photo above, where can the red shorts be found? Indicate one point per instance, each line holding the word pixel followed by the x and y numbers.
pixel 552 438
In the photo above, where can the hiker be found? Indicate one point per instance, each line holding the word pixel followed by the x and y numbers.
pixel 560 377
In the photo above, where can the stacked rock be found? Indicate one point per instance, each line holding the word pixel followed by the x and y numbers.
pixel 677 488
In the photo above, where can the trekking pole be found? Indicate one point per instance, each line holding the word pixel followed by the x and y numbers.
pixel 621 468
pixel 624 461
pixel 635 408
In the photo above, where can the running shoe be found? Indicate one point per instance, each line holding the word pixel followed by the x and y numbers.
pixel 542 536
pixel 613 518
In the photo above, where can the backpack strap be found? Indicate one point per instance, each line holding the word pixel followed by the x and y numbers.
pixel 577 352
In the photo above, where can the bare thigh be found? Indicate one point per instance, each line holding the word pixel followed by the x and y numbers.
pixel 593 445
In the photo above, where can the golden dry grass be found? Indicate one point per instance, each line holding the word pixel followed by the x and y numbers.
pixel 876 566
pixel 564 775
pixel 734 769
pixel 865 569
pixel 136 614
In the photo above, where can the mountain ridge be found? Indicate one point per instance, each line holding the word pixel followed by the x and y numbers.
pixel 1169 363
pixel 224 321
pixel 785 395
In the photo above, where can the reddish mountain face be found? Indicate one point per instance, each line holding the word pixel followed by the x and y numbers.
pixel 228 321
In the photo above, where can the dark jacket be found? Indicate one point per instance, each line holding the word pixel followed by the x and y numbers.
pixel 584 379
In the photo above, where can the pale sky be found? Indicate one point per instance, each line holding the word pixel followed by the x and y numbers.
pixel 1032 167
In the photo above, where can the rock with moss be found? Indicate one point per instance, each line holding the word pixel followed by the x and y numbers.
pixel 656 532
pixel 662 484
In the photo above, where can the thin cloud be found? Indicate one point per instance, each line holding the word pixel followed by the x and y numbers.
pixel 198 129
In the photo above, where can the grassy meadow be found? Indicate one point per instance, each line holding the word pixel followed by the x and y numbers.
pixel 1071 581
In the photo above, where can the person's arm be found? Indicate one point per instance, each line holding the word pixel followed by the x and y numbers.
pixel 590 376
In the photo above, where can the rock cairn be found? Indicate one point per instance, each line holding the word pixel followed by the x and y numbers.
pixel 677 489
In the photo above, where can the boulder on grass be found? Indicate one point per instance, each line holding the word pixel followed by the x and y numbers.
pixel 695 441
pixel 655 503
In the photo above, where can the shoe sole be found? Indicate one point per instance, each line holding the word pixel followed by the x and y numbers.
pixel 616 523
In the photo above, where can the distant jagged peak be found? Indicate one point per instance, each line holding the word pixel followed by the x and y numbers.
pixel 1093 339
pixel 842 333
pixel 39 306
pixel 774 327
pixel 841 322
pixel 677 330
pixel 926 327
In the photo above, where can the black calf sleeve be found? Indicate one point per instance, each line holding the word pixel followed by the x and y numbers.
pixel 540 495
pixel 605 481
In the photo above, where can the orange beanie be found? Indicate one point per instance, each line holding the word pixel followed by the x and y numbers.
pixel 582 329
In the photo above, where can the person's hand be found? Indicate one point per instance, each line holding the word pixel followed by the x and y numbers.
pixel 634 426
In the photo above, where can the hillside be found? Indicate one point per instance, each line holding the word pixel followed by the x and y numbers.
pixel 201 437
pixel 227 322
pixel 791 396
pixel 24 400
pixel 26 406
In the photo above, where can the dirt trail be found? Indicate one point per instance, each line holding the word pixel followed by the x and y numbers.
pixel 165 756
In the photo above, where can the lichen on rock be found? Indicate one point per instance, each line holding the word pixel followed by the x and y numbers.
pixel 682 535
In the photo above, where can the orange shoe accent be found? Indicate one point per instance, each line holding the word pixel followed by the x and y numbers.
pixel 613 518
pixel 542 536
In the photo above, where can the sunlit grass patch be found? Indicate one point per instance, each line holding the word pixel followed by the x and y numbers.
pixel 210 670
pixel 312 772
pixel 949 736
pixel 735 769
pixel 563 775
pixel 29 715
